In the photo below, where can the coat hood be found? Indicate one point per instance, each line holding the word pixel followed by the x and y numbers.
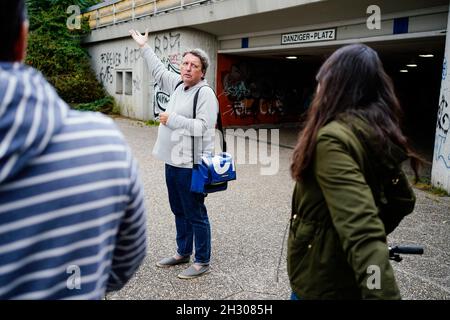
pixel 30 114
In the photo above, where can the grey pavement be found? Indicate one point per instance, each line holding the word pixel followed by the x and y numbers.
pixel 249 223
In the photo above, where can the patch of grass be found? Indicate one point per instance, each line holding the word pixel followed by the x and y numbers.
pixel 116 108
pixel 105 105
pixel 424 184
pixel 152 123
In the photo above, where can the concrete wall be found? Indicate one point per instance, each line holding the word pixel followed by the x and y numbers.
pixel 113 62
pixel 119 65
pixel 440 174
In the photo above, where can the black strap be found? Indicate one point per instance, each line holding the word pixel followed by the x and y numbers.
pixel 178 84
pixel 219 123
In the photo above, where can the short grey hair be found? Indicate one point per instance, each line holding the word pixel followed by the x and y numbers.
pixel 202 55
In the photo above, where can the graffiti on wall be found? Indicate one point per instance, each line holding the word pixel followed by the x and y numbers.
pixel 137 83
pixel 167 48
pixel 131 55
pixel 110 60
pixel 443 116
pixel 250 97
pixel 260 91
pixel 443 125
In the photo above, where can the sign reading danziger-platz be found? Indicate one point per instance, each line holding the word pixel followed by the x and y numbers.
pixel 308 36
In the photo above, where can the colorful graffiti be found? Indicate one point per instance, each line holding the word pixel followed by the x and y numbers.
pixel 260 91
pixel 167 48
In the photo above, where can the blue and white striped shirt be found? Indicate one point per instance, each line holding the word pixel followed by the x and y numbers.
pixel 72 216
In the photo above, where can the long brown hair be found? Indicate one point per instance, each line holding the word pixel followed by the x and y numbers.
pixel 352 80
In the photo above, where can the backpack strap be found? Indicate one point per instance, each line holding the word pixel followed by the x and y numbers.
pixel 219 123
pixel 178 84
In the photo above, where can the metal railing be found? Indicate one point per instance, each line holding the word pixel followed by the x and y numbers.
pixel 113 12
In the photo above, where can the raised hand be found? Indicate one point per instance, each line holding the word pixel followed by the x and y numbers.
pixel 140 39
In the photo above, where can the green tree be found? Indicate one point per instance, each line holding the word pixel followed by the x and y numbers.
pixel 57 52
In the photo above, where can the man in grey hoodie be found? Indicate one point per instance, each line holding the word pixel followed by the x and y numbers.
pixel 174 146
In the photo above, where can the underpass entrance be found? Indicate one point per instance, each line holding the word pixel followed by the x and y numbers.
pixel 275 88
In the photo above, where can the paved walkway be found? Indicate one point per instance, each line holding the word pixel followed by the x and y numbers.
pixel 249 223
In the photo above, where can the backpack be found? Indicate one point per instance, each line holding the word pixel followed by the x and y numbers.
pixel 390 187
pixel 394 196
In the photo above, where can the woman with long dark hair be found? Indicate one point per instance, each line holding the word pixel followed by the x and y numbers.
pixel 337 242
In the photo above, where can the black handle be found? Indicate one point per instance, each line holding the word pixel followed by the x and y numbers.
pixel 406 250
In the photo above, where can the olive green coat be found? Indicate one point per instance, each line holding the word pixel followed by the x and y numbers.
pixel 337 243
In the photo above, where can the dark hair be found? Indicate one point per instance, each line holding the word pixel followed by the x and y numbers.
pixel 352 80
pixel 12 15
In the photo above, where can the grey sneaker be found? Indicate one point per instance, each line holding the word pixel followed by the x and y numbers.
pixel 191 272
pixel 171 261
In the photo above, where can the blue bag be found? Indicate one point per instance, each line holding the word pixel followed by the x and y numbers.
pixel 214 171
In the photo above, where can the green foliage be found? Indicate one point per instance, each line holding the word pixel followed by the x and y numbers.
pixel 56 50
pixel 439 191
pixel 425 185
pixel 151 123
pixel 78 86
pixel 104 105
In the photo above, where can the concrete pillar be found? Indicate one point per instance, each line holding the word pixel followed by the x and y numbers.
pixel 440 174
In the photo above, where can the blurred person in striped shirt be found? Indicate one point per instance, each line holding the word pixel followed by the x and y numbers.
pixel 72 216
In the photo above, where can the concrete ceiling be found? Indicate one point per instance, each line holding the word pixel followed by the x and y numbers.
pixel 310 14
pixel 394 54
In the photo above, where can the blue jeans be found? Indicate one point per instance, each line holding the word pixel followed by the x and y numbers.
pixel 191 217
